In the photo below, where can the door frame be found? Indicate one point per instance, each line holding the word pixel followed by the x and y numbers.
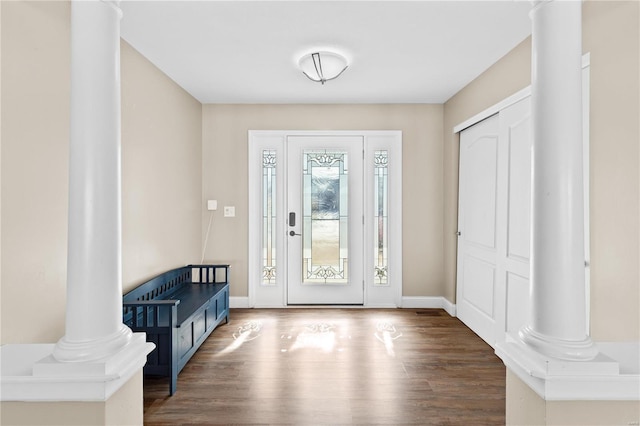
pixel 276 295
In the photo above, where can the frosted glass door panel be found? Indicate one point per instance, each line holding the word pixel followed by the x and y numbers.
pixel 326 217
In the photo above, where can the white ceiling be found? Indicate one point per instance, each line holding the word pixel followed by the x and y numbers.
pixel 399 52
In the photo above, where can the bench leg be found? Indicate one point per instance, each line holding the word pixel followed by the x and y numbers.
pixel 173 371
pixel 173 383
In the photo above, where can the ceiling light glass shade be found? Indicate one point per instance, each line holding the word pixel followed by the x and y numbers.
pixel 322 66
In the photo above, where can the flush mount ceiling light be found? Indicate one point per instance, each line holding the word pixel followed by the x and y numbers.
pixel 322 66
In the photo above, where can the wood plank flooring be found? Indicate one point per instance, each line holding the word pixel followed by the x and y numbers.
pixel 335 367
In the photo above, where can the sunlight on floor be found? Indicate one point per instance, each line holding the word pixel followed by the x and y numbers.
pixel 386 332
pixel 320 336
pixel 326 335
pixel 248 331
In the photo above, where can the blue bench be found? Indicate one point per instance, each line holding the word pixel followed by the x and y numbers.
pixel 178 310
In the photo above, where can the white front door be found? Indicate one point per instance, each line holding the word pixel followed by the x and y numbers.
pixel 340 193
pixel 325 220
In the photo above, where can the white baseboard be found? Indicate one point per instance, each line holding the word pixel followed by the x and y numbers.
pixel 449 307
pixel 420 302
pixel 238 302
pixel 408 302
pixel 381 306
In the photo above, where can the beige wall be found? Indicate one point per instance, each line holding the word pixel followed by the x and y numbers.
pixel 611 34
pixel 505 77
pixel 124 408
pixel 35 133
pixel 224 164
pixel 525 407
pixel 161 175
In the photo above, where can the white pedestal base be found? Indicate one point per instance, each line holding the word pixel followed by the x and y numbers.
pixel 584 350
pixel 30 373
pixel 66 351
pixel 605 378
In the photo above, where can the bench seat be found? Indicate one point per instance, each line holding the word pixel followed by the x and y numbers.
pixel 192 297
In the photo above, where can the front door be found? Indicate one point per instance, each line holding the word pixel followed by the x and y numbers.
pixel 325 218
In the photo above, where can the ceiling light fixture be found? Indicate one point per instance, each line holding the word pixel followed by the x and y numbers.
pixel 322 66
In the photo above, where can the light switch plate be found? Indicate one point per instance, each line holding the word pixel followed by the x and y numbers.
pixel 229 211
pixel 212 205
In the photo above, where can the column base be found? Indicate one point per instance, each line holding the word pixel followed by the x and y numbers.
pixel 567 350
pixel 70 351
pixel 605 377
pixel 31 373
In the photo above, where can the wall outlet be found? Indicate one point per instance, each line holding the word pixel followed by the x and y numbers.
pixel 212 205
pixel 229 211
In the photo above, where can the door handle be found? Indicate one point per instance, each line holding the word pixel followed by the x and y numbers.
pixel 292 219
pixel 292 233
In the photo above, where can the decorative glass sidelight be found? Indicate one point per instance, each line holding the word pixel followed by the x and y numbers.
pixel 381 217
pixel 325 217
pixel 268 217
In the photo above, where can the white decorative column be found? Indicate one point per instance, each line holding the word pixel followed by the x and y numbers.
pixel 557 324
pixel 94 326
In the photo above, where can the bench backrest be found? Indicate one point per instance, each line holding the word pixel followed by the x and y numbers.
pixel 160 287
pixel 167 283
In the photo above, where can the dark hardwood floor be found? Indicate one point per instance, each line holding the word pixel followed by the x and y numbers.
pixel 333 367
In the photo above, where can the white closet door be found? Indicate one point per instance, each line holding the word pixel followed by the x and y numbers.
pixel 494 223
pixel 477 226
pixel 512 296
